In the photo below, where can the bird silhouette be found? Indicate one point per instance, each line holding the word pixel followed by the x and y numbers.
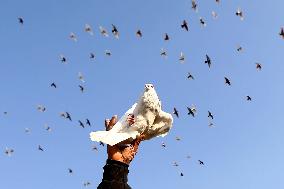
pixel 191 111
pixel 248 98
pixel 139 33
pixel 166 38
pixel 176 112
pixel 184 25
pixel 208 61
pixel 115 31
pixel 201 162
pixel 21 20
pixel 40 148
pixel 53 85
pixel 190 76
pixel 81 88
pixel 210 115
pixel 81 124
pixel 282 32
pixel 258 66
pixel 88 122
pixel 227 81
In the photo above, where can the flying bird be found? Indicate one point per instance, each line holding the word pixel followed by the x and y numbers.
pixel 210 115
pixel 178 138
pixel 102 144
pixel 181 174
pixel 282 32
pixel 181 57
pixel 190 76
pixel 191 111
pixel 166 38
pixel 53 85
pixel 227 81
pixel 184 25
pixel 139 33
pixel 73 36
pixel 63 58
pixel 210 125
pixel 107 53
pixel 68 116
pixel 194 5
pixel 201 162
pixel 70 171
pixel 41 108
pixel 88 122
pixel 47 128
pixel 163 145
pixel 239 13
pixel 176 112
pixel 258 66
pixel 88 29
pixel 27 130
pixel 86 184
pixel 115 31
pixel 208 61
pixel 202 21
pixel 9 151
pixel 103 31
pixel 94 148
pixel 248 98
pixel 92 56
pixel 175 164
pixel 81 124
pixel 163 53
pixel 239 49
pixel 40 148
pixel 21 20
pixel 81 88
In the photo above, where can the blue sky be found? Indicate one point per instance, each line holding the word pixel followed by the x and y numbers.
pixel 243 150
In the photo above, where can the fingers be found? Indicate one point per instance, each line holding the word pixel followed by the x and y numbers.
pixel 131 119
pixel 113 120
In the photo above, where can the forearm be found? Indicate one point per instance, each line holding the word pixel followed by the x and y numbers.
pixel 115 175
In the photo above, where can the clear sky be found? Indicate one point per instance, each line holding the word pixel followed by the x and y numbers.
pixel 243 150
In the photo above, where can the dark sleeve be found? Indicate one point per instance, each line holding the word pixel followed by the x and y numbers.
pixel 115 175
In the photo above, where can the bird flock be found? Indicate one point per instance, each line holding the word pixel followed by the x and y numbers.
pixel 192 110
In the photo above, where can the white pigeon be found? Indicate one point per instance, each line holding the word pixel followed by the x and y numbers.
pixel 149 120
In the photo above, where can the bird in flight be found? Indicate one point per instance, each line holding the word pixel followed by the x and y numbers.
pixel 176 112
pixel 166 38
pixel 210 115
pixel 88 29
pixel 9 151
pixel 40 148
pixel 81 88
pixel 41 108
pixel 70 171
pixel 53 85
pixel 107 53
pixel 239 13
pixel 248 98
pixel 227 81
pixel 163 53
pixel 73 37
pixel 201 162
pixel 139 33
pixel 86 184
pixel 208 61
pixel 63 58
pixel 258 66
pixel 282 32
pixel 21 20
pixel 184 25
pixel 181 57
pixel 115 31
pixel 194 5
pixel 191 111
pixel 81 124
pixel 92 56
pixel 103 31
pixel 163 145
pixel 190 76
pixel 88 122
pixel 202 21
pixel 210 125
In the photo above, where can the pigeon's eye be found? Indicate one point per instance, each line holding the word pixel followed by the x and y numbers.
pixel 152 86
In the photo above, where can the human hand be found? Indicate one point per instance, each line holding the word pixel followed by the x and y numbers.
pixel 122 152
